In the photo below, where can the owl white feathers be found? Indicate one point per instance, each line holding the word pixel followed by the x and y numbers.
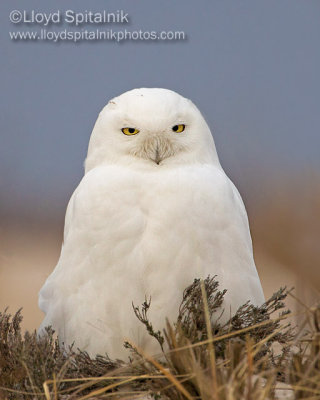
pixel 153 211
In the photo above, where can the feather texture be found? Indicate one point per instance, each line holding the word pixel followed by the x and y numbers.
pixel 136 228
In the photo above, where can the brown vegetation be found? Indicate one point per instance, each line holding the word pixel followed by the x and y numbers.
pixel 256 355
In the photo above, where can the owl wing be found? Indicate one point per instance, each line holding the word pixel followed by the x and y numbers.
pixel 101 228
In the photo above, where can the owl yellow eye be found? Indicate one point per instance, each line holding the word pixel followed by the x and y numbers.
pixel 130 131
pixel 179 128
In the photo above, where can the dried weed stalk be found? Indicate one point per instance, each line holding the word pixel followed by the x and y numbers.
pixel 247 358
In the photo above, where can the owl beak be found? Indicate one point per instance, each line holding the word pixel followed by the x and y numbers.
pixel 157 158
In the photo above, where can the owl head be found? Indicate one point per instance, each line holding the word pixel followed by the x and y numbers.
pixel 153 128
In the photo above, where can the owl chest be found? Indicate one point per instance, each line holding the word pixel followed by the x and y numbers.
pixel 149 230
pixel 148 221
pixel 133 211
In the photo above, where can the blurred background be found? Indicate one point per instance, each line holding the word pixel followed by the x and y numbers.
pixel 251 67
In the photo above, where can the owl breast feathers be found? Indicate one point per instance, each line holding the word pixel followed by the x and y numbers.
pixel 154 211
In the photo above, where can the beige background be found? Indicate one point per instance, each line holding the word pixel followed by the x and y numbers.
pixel 285 229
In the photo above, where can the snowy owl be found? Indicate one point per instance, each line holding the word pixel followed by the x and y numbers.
pixel 153 211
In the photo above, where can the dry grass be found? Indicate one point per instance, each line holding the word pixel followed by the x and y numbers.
pixel 256 355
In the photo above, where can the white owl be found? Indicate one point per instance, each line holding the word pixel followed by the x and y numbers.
pixel 153 211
